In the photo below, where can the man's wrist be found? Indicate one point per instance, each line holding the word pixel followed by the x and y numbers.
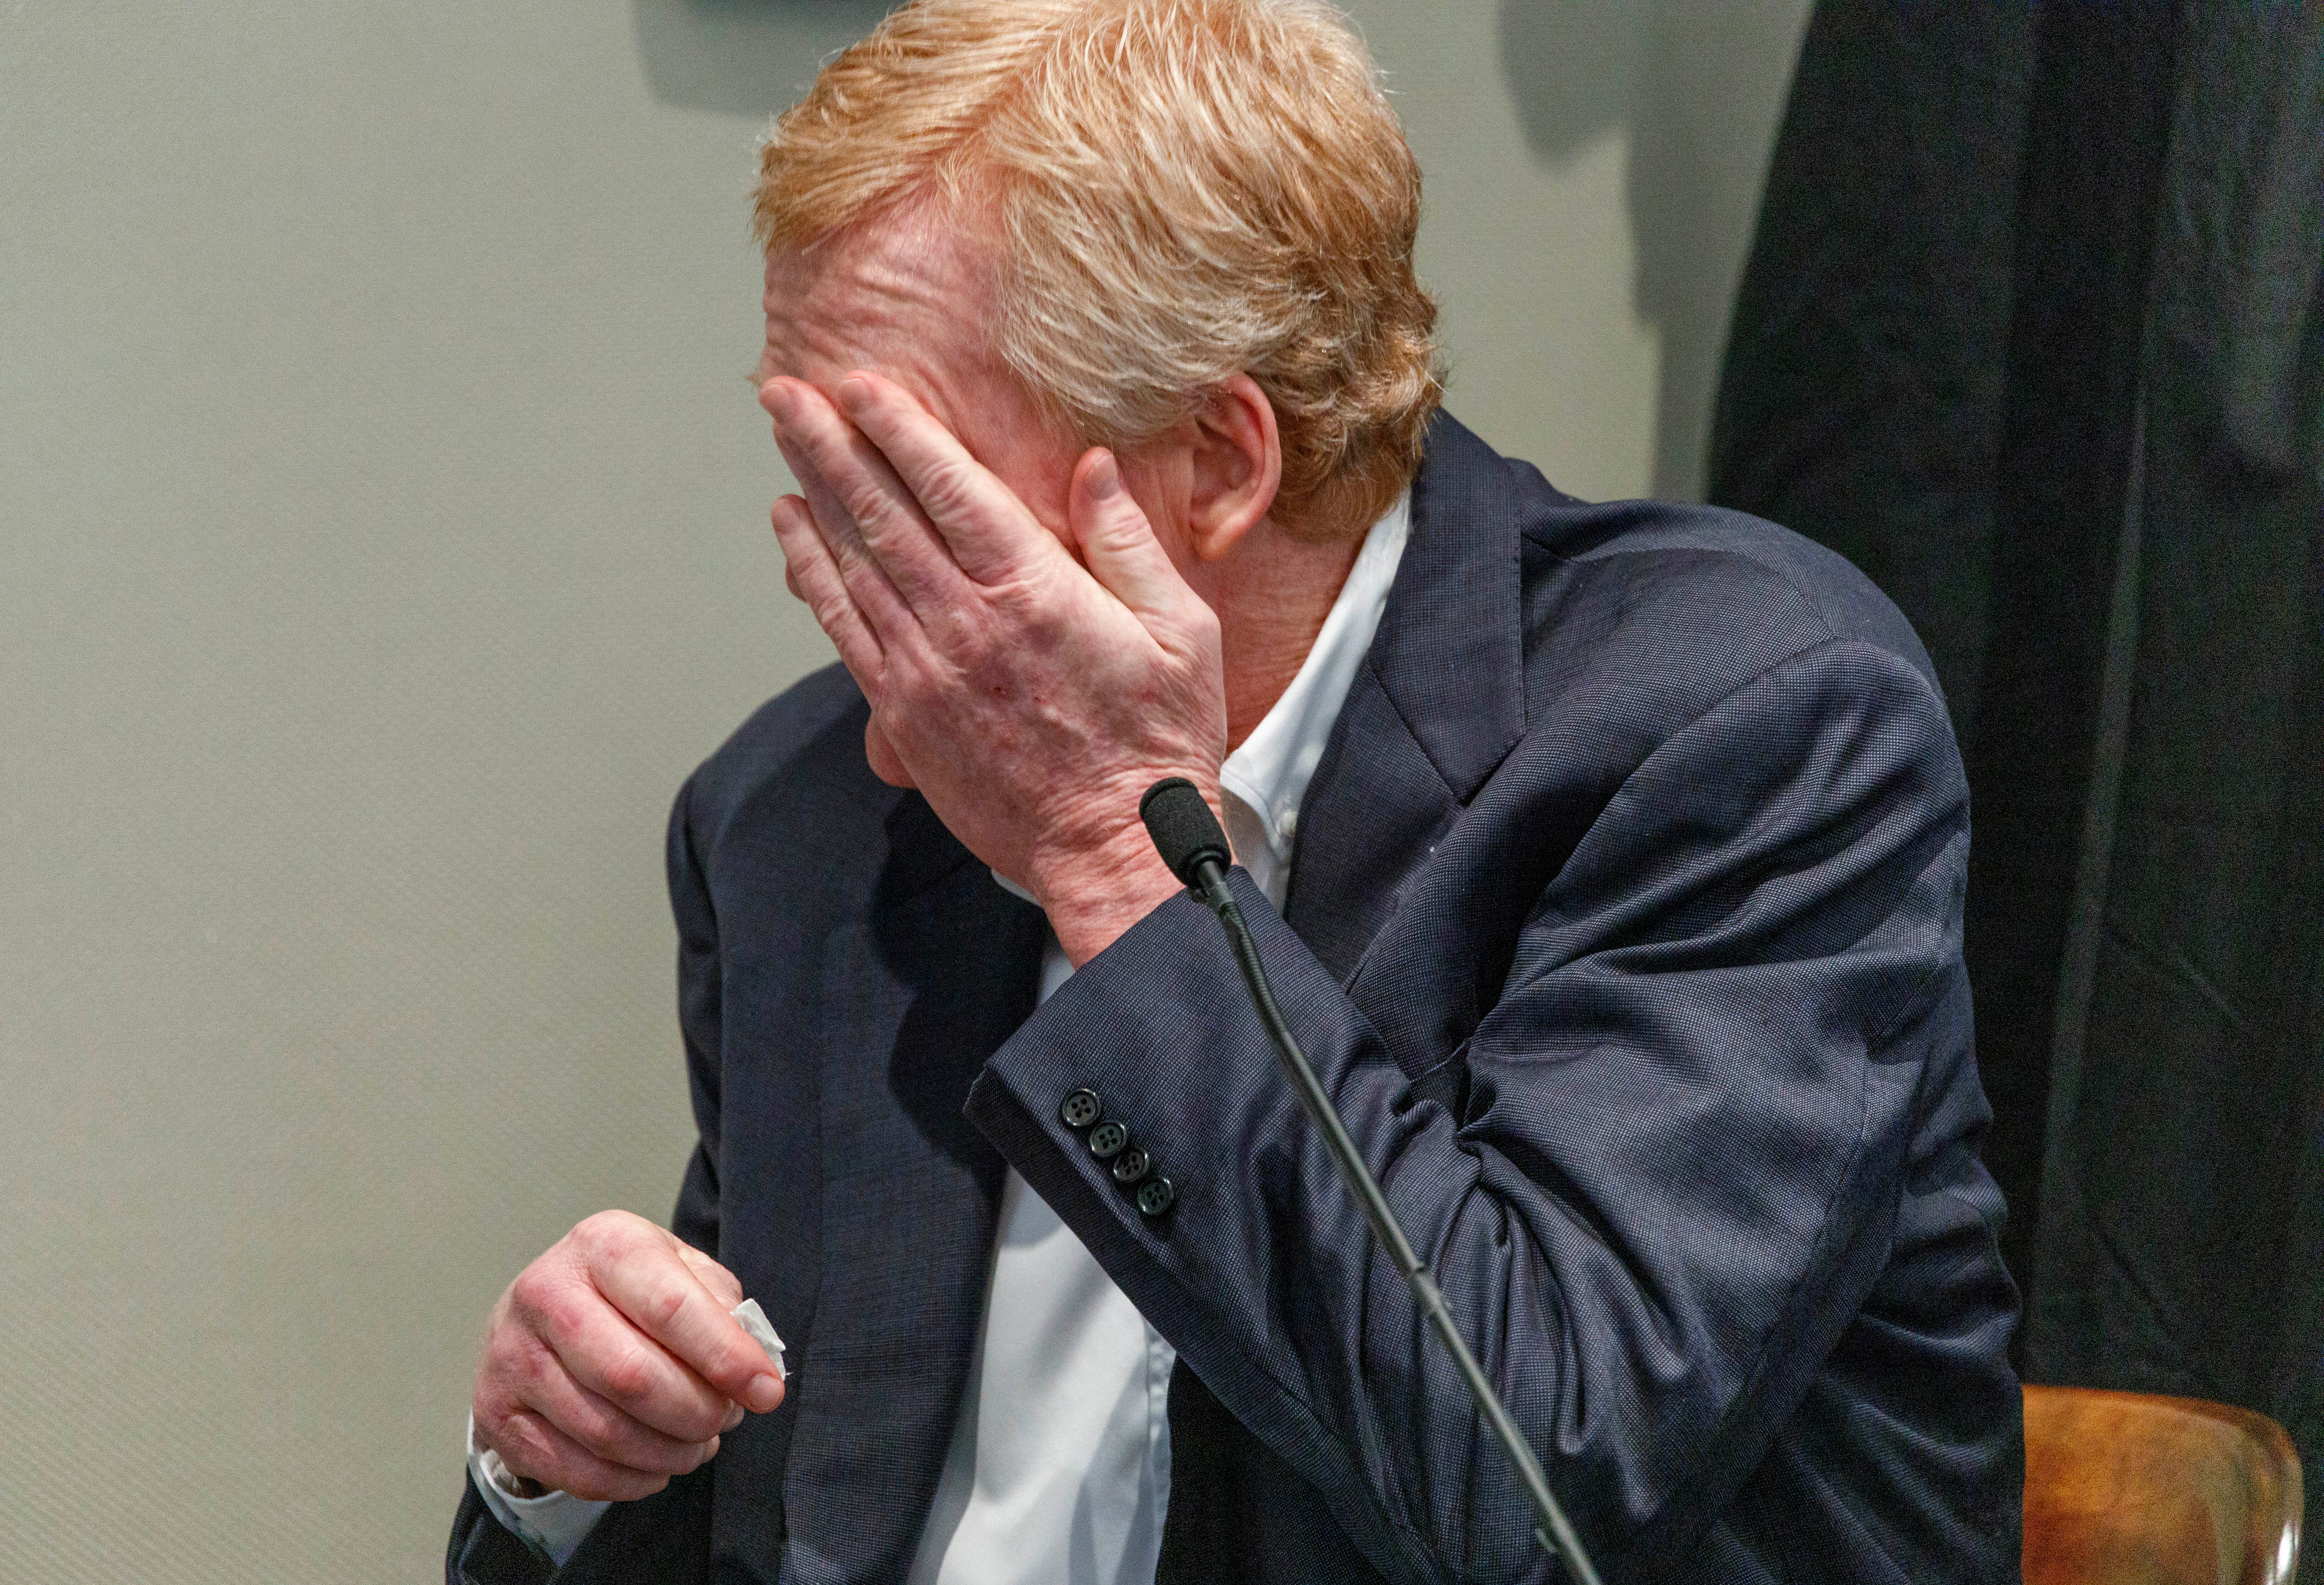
pixel 1092 901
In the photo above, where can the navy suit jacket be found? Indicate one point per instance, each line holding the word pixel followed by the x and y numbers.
pixel 1624 927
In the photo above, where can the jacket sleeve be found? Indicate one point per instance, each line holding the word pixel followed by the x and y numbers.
pixel 665 1536
pixel 1661 1189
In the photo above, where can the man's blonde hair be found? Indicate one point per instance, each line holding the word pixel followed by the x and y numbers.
pixel 1175 191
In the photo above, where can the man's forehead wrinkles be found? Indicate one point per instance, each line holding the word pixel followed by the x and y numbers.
pixel 856 312
pixel 896 284
pixel 835 313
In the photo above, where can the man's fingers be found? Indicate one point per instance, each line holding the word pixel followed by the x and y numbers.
pixel 844 473
pixel 666 1300
pixel 608 1431
pixel 601 1348
pixel 986 528
pixel 885 609
pixel 535 1449
pixel 814 575
pixel 1119 545
pixel 723 1284
pixel 608 1302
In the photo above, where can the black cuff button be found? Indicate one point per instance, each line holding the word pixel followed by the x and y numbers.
pixel 1132 1165
pixel 1081 1107
pixel 1155 1196
pixel 1108 1138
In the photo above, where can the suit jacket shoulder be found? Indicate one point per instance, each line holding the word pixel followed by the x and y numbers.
pixel 1676 604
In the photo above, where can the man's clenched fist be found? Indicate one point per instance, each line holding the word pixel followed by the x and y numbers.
pixel 611 1363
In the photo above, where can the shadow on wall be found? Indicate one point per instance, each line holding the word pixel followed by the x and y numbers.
pixel 744 56
pixel 1698 86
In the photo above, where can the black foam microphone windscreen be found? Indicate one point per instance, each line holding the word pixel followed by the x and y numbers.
pixel 1183 829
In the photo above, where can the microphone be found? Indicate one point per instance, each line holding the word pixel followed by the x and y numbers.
pixel 1188 836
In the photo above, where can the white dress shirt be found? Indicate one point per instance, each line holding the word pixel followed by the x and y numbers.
pixel 1059 1468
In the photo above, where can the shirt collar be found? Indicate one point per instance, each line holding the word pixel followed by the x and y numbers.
pixel 1268 775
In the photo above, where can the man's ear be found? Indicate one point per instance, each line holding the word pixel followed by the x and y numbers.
pixel 1238 466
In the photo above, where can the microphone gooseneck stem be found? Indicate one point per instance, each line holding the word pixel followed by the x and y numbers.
pixel 1554 1532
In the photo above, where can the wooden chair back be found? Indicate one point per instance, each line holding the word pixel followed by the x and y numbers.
pixel 2123 1488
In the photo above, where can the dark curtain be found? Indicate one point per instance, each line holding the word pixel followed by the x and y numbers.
pixel 2032 331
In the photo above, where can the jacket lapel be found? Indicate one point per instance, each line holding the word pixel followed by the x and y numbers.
pixel 1437 705
pixel 914 997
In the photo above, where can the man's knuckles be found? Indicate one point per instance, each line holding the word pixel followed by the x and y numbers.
pixel 629 1377
pixel 691 1423
pixel 580 1414
pixel 639 1382
pixel 619 1440
pixel 525 1445
pixel 663 1303
pixel 835 612
pixel 869 506
pixel 613 1235
pixel 534 1450
pixel 713 1275
pixel 553 1304
pixel 949 492
pixel 966 633
pixel 538 1377
pixel 497 1412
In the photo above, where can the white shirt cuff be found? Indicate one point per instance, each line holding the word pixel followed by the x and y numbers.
pixel 554 1524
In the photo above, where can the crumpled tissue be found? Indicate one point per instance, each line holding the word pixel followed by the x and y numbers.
pixel 753 1320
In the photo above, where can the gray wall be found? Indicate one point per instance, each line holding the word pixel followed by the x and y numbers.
pixel 382 540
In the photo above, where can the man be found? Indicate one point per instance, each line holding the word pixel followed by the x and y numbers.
pixel 1607 861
